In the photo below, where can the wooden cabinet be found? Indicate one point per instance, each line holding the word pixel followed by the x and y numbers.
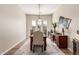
pixel 61 41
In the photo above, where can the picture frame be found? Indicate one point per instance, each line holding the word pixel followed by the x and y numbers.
pixel 65 21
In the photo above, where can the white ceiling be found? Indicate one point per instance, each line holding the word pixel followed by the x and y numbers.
pixel 44 8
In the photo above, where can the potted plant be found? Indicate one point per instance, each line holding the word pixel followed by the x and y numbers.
pixel 54 26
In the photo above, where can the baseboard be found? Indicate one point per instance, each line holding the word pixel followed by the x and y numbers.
pixel 12 46
pixel 70 49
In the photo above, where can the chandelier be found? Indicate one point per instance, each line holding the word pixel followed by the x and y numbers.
pixel 39 19
pixel 39 10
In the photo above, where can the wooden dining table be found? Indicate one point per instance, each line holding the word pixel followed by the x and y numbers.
pixel 31 42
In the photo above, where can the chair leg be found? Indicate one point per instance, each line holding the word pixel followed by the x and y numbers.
pixel 33 48
pixel 42 48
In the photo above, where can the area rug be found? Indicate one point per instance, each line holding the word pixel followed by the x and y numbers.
pixel 51 49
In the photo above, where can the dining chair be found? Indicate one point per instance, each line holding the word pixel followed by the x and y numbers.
pixel 38 40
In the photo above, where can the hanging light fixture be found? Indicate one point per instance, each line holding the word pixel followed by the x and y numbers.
pixel 39 19
pixel 39 10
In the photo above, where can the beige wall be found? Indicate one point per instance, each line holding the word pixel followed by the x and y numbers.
pixel 69 11
pixel 35 17
pixel 12 26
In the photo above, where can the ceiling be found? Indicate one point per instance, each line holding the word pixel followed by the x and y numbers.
pixel 34 8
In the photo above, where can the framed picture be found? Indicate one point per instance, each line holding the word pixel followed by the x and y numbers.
pixel 65 21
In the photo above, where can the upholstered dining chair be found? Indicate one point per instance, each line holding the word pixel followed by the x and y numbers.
pixel 38 40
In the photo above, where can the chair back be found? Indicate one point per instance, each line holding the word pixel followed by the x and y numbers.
pixel 38 38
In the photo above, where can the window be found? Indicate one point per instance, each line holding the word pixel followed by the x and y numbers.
pixel 39 23
pixel 33 23
pixel 45 22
